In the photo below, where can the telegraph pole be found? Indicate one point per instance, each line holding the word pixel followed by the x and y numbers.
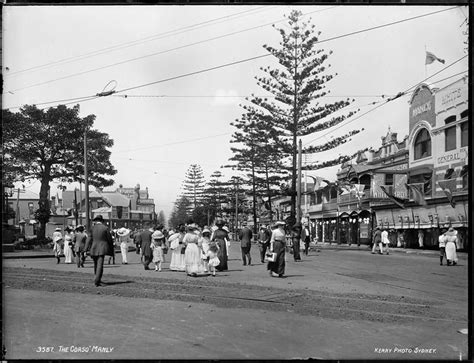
pixel 298 186
pixel 86 181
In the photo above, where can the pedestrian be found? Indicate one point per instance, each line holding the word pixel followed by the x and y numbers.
pixel 263 241
pixel 123 237
pixel 204 242
pixel 100 244
pixel 295 239
pixel 245 237
pixel 385 241
pixel 79 240
pixel 157 248
pixel 421 237
pixel 144 238
pixel 377 240
pixel 220 236
pixel 68 235
pixel 451 246
pixel 192 256
pixel 136 241
pixel 306 237
pixel 114 239
pixel 57 244
pixel 442 246
pixel 212 257
pixel 227 242
pixel 177 249
pixel 277 245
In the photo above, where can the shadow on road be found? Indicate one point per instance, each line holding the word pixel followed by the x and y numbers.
pixel 117 282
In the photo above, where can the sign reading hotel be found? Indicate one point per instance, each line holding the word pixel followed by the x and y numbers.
pixel 422 107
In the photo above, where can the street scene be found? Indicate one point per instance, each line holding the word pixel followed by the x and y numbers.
pixel 236 182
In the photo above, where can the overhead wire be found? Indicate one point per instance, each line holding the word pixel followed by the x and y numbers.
pixel 230 34
pixel 138 41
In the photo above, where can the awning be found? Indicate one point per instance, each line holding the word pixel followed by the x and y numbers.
pixel 420 169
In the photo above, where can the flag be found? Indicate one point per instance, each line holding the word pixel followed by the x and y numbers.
pixel 317 182
pixel 418 196
pixel 398 201
pixel 430 58
pixel 447 185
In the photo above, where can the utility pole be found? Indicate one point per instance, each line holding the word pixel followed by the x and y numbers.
pixel 236 207
pixel 86 181
pixel 298 186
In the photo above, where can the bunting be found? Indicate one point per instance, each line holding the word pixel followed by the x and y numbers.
pixel 418 196
pixel 398 201
pixel 430 58
pixel 446 186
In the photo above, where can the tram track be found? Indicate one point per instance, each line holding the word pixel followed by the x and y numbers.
pixel 231 295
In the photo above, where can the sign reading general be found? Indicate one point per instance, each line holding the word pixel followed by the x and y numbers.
pixel 453 156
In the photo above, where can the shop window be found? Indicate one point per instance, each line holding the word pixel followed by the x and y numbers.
pixel 464 134
pixel 422 146
pixel 450 138
pixel 388 179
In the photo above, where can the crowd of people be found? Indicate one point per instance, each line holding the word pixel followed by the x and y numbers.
pixel 203 251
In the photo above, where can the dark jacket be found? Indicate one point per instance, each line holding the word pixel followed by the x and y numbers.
pixel 245 237
pixel 377 236
pixel 144 240
pixel 264 236
pixel 79 239
pixel 100 241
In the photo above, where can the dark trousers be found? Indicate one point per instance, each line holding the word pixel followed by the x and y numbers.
pixel 98 268
pixel 147 260
pixel 306 246
pixel 80 258
pixel 246 255
pixel 296 249
pixel 263 249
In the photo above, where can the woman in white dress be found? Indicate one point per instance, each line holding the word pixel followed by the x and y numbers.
pixel 192 256
pixel 204 245
pixel 123 237
pixel 451 246
pixel 177 250
pixel 68 235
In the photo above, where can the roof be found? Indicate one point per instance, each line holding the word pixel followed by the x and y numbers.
pixel 24 194
pixel 116 199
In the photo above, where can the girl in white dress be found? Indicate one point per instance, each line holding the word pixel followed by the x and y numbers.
pixel 157 248
pixel 123 237
pixel 177 250
pixel 192 256
pixel 204 245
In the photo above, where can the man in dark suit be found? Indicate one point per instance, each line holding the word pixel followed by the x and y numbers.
pixel 245 237
pixel 144 239
pixel 79 240
pixel 100 244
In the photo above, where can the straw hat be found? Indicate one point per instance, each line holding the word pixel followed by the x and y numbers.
pixel 123 231
pixel 157 235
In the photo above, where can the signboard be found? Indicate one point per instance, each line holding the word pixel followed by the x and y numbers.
pixel 364 230
pixel 422 107
pixel 452 95
pixel 453 156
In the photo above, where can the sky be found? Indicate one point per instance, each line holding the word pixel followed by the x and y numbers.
pixel 65 54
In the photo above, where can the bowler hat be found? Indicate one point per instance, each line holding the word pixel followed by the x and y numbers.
pixel 98 218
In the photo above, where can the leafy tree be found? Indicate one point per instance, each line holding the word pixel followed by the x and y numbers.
pixel 180 212
pixel 161 218
pixel 48 145
pixel 193 185
pixel 296 85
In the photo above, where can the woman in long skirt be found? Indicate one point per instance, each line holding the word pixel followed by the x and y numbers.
pixel 57 244
pixel 220 237
pixel 192 257
pixel 68 245
pixel 451 246
pixel 177 250
pixel 123 237
pixel 277 245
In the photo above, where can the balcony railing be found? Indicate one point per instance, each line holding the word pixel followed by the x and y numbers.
pixel 379 194
pixel 352 197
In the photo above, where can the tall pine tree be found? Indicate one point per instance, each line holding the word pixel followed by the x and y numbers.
pixel 193 186
pixel 297 84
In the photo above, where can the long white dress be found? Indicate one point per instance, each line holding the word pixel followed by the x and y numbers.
pixel 192 256
pixel 68 248
pixel 451 245
pixel 177 258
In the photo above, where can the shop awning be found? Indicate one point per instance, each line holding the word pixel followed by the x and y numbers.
pixel 420 169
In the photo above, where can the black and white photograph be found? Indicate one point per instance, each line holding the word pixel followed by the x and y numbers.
pixel 236 181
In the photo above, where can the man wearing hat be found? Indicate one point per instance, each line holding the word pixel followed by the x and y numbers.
pixel 442 246
pixel 263 241
pixel 377 240
pixel 245 237
pixel 144 239
pixel 79 241
pixel 100 244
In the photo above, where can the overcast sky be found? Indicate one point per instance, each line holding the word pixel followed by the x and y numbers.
pixel 54 53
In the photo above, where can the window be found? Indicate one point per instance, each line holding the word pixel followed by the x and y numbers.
pixel 450 119
pixel 333 193
pixel 422 144
pixel 464 134
pixel 319 197
pixel 388 179
pixel 450 138
pixel 464 175
pixel 449 174
pixel 464 114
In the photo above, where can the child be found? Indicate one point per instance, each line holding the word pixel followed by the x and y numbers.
pixel 212 256
pixel 157 247
pixel 204 245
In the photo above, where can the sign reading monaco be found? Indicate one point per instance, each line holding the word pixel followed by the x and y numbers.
pixel 422 106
